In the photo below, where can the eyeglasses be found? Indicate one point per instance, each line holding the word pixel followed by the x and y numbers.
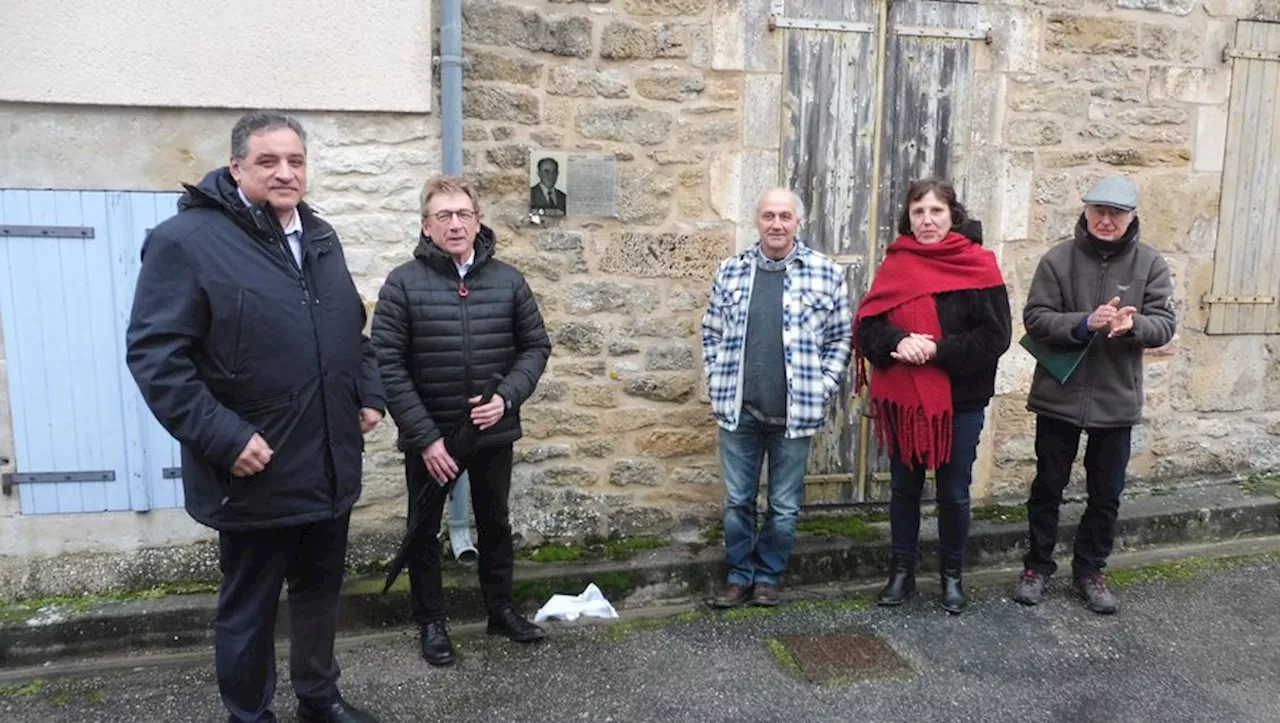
pixel 464 215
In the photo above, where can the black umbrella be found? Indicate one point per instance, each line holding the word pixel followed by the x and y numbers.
pixel 460 445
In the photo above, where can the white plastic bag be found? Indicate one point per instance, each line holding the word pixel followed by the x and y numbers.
pixel 591 603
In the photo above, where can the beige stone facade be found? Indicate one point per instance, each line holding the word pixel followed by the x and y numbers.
pixel 686 94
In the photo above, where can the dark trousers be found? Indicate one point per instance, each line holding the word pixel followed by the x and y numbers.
pixel 953 480
pixel 1105 458
pixel 490 472
pixel 254 565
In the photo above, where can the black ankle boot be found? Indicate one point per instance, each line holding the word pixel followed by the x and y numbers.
pixel 901 585
pixel 953 599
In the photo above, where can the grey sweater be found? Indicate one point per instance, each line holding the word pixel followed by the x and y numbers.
pixel 1072 280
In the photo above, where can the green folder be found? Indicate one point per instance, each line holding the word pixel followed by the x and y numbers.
pixel 1059 361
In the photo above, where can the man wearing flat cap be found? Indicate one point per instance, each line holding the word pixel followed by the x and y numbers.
pixel 1106 294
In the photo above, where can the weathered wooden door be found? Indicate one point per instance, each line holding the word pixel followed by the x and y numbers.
pixel 875 95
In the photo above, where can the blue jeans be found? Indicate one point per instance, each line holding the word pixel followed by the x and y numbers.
pixel 751 557
pixel 953 479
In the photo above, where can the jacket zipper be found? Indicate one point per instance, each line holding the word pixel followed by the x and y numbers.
pixel 463 292
pixel 1088 367
pixel 311 301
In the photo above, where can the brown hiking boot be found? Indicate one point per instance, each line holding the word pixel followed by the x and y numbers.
pixel 731 597
pixel 765 596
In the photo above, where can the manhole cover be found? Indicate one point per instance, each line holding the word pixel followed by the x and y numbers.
pixel 843 657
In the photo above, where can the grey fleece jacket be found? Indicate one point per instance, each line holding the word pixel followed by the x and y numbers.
pixel 1072 280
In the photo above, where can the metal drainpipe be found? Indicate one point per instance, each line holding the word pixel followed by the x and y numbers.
pixel 451 141
pixel 451 85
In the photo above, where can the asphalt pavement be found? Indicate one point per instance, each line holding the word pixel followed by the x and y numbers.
pixel 1205 649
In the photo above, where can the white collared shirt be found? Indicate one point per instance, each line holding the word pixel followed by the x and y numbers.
pixel 465 266
pixel 292 230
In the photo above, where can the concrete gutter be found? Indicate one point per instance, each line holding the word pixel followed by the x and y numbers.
pixel 676 575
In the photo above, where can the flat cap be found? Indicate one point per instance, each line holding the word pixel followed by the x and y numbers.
pixel 1114 191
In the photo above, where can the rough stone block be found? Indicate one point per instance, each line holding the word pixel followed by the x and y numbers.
pixel 678 87
pixel 540 452
pixel 627 472
pixel 644 198
pixel 628 41
pixel 488 65
pixel 1160 42
pixel 675 442
pixel 589 297
pixel 602 395
pixel 666 255
pixel 623 347
pixel 1108 35
pixel 548 138
pixel 654 328
pixel 514 156
pixel 579 368
pixel 1158 135
pixel 1033 132
pixel 1039 99
pixel 629 419
pixel 624 123
pixel 598 448
pixel 678 157
pixel 582 338
pixel 497 23
pixel 707 133
pixel 503 104
pixel 549 390
pixel 671 387
pixel 633 521
pixel 586 83
pixel 1120 94
pixel 566 476
pixel 560 241
pixel 1144 156
pixel 1101 131
pixel 704 475
pixel 1066 159
pixel 1172 7
pixel 1154 116
pixel 541 421
pixel 666 7
pixel 670 357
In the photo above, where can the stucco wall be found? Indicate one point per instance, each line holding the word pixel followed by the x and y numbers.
pixel 297 54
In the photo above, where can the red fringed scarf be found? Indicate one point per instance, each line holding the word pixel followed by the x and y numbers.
pixel 910 404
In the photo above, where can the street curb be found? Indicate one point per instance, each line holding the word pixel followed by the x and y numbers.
pixel 674 575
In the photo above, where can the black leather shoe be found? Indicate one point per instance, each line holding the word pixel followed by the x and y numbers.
pixel 901 585
pixel 953 599
pixel 339 711
pixel 437 649
pixel 508 622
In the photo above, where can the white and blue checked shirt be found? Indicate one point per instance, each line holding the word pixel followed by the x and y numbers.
pixel 817 336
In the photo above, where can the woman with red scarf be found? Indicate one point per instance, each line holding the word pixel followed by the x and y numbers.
pixel 933 326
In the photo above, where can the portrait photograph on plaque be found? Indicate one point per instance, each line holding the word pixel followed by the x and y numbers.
pixel 566 183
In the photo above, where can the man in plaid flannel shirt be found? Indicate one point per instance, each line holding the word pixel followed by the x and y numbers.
pixel 776 339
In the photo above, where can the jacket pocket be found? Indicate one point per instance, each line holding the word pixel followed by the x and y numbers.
pixel 814 310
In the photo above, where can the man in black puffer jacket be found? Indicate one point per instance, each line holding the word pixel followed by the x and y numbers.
pixel 445 322
pixel 246 340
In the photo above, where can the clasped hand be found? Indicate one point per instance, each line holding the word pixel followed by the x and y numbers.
pixel 915 349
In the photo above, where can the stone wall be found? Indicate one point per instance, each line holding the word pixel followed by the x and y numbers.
pixel 1140 89
pixel 619 437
